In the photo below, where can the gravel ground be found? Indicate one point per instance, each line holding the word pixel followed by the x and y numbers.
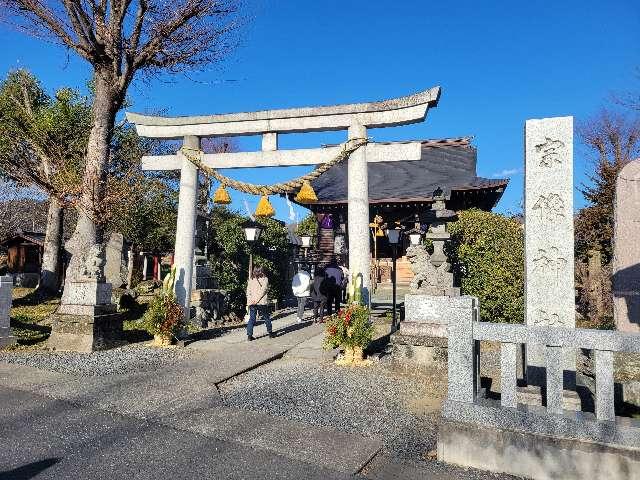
pixel 365 401
pixel 127 359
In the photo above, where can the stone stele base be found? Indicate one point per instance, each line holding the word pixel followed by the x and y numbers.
pixel 86 333
pixel 421 340
pixel 86 326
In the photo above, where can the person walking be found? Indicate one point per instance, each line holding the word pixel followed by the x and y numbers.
pixel 257 301
pixel 318 295
pixel 346 279
pixel 334 296
pixel 301 285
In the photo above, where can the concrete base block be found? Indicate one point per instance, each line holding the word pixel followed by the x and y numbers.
pixel 532 395
pixel 534 456
pixel 419 354
pixel 6 339
pixel 85 333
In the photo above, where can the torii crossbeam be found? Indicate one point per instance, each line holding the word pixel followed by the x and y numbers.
pixel 355 118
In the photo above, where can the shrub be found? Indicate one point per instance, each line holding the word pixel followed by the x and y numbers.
pixel 487 254
pixel 164 316
pixel 308 226
pixel 349 328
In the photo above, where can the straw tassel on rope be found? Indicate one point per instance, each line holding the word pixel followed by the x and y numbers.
pixel 306 193
pixel 221 197
pixel 264 208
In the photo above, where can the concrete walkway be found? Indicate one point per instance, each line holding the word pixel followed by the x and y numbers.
pixel 184 399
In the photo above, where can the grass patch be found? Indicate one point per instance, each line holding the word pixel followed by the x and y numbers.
pixel 132 328
pixel 29 314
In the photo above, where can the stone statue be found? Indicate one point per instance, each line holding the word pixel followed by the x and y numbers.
pixel 93 265
pixel 429 279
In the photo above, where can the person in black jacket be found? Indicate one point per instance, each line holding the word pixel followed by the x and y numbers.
pixel 319 295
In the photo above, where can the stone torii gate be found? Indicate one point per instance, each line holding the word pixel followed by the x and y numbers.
pixel 355 118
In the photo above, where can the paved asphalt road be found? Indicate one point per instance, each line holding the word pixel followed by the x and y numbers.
pixel 42 438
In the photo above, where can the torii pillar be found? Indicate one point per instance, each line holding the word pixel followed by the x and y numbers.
pixel 358 214
pixel 186 225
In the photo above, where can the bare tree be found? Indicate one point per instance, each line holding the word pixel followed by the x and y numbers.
pixel 21 208
pixel 119 39
pixel 614 138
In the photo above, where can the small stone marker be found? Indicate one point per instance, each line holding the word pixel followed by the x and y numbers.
pixel 6 286
pixel 549 286
pixel 114 260
pixel 626 250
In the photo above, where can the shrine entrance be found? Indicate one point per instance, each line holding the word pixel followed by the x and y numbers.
pixel 356 153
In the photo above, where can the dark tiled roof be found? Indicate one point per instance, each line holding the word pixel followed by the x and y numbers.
pixel 33 237
pixel 448 164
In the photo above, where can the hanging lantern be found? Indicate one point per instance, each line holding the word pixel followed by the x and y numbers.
pixel 379 232
pixel 306 194
pixel 221 196
pixel 264 208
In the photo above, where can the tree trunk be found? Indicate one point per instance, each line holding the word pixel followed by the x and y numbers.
pixel 91 214
pixel 50 268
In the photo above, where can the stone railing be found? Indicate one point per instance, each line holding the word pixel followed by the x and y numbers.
pixel 464 336
pixel 549 441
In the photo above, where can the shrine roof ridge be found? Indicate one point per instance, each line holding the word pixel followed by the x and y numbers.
pixel 428 97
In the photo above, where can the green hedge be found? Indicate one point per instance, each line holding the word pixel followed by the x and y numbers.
pixel 487 253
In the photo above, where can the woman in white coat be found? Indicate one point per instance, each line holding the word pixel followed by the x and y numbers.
pixel 301 285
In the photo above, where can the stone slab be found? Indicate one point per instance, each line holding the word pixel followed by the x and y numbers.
pixel 626 251
pixel 432 309
pixel 529 455
pixel 549 265
pixel 402 338
pixel 319 446
pixel 417 329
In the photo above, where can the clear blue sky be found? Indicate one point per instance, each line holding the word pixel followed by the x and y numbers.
pixel 498 63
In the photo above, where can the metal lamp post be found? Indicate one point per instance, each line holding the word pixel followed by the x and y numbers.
pixel 305 243
pixel 393 235
pixel 252 231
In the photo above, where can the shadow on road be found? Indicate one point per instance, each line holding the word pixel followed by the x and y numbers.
pixel 29 470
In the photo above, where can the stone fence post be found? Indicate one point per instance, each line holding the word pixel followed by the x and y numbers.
pixel 462 362
pixel 6 287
